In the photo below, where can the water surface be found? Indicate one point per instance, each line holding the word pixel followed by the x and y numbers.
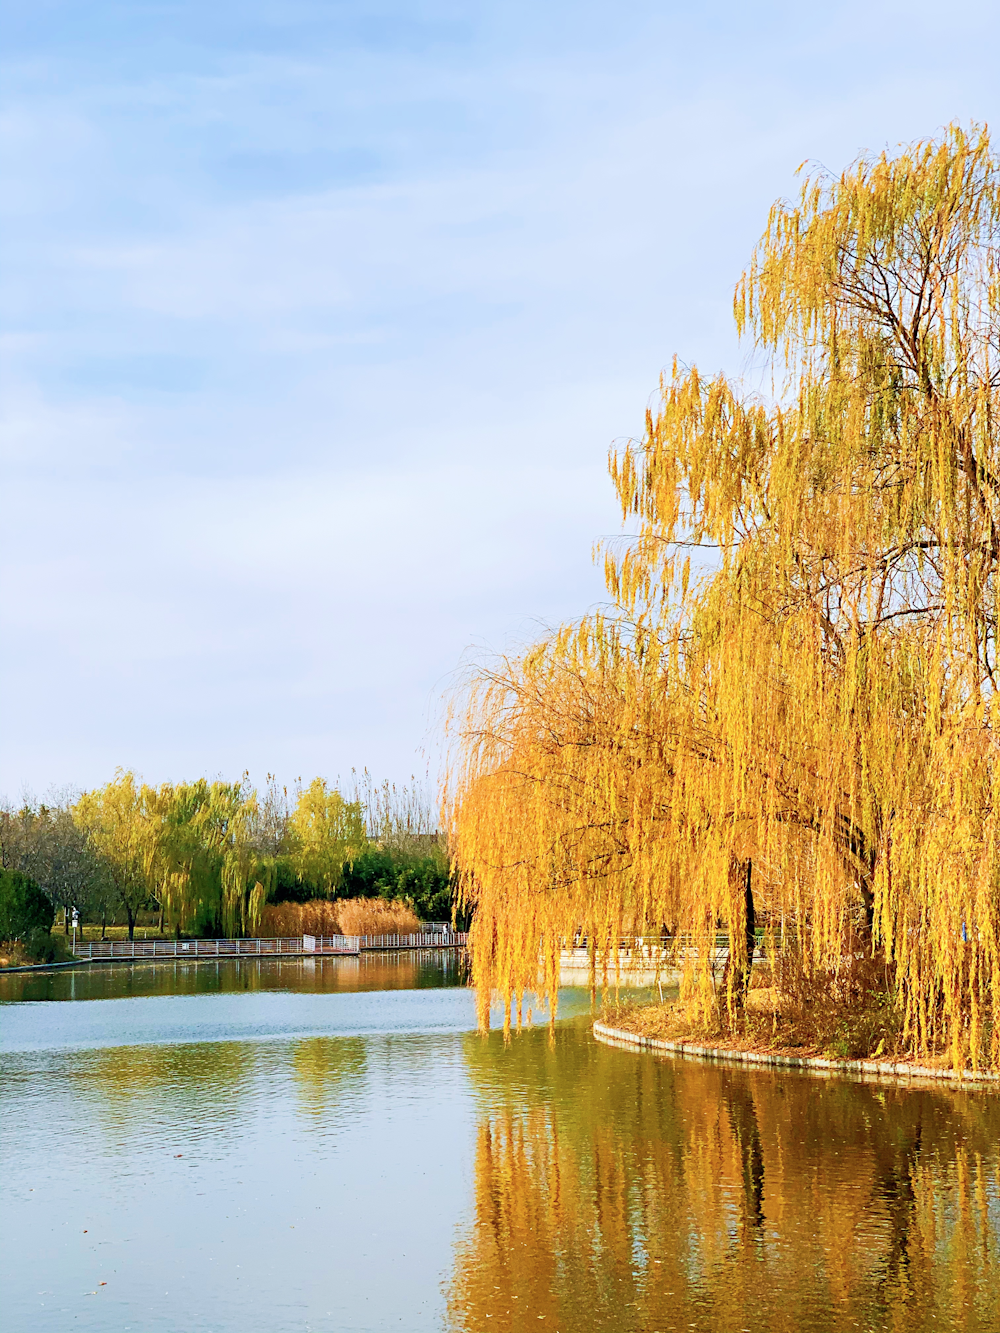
pixel 326 1144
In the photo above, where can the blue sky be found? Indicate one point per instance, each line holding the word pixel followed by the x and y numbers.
pixel 318 320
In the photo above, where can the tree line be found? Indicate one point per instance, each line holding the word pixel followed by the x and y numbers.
pixel 207 856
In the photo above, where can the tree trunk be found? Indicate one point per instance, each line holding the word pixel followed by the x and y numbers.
pixel 746 1130
pixel 161 918
pixel 860 857
pixel 131 921
pixel 751 926
pixel 741 979
pixel 104 922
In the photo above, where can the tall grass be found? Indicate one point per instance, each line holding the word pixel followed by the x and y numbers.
pixel 376 916
pixel 350 916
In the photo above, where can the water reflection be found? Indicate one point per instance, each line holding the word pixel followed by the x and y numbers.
pixel 429 968
pixel 616 1191
pixel 346 1161
pixel 328 1071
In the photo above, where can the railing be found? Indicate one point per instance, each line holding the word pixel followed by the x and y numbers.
pixel 657 954
pixel 454 939
pixel 655 947
pixel 296 946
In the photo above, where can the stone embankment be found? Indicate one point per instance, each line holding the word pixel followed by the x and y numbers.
pixel 868 1069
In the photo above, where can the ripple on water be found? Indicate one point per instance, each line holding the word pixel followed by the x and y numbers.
pixel 252 1158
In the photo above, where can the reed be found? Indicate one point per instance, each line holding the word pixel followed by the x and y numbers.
pixel 376 916
pixel 351 916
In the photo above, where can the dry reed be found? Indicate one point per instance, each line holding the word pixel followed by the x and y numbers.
pixel 348 916
pixel 376 916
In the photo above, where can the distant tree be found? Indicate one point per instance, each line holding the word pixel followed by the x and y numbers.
pixel 19 841
pixel 205 869
pixel 420 878
pixel 26 913
pixel 44 841
pixel 325 834
pixel 118 828
pixel 268 831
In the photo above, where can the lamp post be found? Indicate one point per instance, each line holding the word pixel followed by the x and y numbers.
pixel 76 922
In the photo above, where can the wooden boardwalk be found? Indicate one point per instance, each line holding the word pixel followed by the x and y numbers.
pixel 300 946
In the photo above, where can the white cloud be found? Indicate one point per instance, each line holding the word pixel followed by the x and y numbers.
pixel 384 398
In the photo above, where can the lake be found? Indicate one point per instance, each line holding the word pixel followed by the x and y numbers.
pixel 326 1144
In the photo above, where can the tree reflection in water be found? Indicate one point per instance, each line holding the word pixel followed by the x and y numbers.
pixel 617 1191
pixel 328 1071
pixel 417 970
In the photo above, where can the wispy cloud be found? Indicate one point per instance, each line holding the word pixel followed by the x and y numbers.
pixel 319 320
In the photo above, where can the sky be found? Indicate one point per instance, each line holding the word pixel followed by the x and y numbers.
pixel 318 320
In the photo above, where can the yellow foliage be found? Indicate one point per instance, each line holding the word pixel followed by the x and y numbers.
pixel 376 916
pixel 287 920
pixel 116 820
pixel 611 1193
pixel 819 700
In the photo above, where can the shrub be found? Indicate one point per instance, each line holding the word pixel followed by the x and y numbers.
pixel 284 920
pixel 26 914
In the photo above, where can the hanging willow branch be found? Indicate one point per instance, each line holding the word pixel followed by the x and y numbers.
pixel 822 702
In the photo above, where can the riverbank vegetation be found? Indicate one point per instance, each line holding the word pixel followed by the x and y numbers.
pixel 787 716
pixel 207 858
pixel 844 1014
pixel 26 916
pixel 344 916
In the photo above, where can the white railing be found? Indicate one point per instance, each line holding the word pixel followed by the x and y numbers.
pixel 454 939
pixel 295 946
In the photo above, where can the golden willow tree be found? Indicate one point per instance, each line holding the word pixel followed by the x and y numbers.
pixel 113 819
pixel 805 734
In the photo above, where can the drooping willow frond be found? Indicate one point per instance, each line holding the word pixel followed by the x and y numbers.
pixel 821 703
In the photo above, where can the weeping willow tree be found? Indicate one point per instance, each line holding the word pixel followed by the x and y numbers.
pixel 187 847
pixel 804 731
pixel 325 833
pixel 205 866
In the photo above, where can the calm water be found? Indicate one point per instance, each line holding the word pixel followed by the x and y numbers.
pixel 325 1144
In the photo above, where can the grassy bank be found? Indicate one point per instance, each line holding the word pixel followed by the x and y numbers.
pixel 797 1016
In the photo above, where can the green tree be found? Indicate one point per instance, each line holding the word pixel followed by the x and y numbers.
pixel 207 872
pixel 26 913
pixel 422 878
pixel 116 821
pixel 326 833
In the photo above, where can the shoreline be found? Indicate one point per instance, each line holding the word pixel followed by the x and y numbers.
pixel 221 958
pixel 882 1070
